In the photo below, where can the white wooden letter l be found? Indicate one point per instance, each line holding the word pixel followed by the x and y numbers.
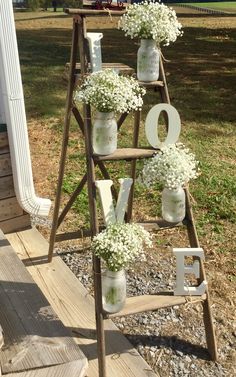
pixel 112 215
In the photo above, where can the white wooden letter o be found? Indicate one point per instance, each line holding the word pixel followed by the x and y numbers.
pixel 151 125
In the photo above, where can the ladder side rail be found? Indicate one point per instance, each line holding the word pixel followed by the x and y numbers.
pixel 137 119
pixel 69 99
pixel 207 315
pixel 92 209
pixel 163 90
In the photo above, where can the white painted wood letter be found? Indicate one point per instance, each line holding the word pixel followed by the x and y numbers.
pixel 151 125
pixel 112 215
pixel 182 269
pixel 95 50
pixel 1 340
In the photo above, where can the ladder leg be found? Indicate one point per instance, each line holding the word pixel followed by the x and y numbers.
pixel 96 260
pixel 93 210
pixel 207 315
pixel 65 139
pixel 137 118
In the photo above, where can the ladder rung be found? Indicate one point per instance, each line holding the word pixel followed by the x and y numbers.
pixel 151 84
pixel 138 304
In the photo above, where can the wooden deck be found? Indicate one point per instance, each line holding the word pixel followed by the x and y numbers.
pixel 34 342
pixel 75 308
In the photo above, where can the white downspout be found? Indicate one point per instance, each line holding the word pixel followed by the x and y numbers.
pixel 15 117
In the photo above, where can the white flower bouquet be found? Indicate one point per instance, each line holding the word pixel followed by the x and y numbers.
pixel 151 20
pixel 121 244
pixel 107 92
pixel 174 166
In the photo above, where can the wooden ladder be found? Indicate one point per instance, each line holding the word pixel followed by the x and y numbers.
pixel 134 304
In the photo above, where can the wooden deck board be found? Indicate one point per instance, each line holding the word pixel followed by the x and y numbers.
pixel 5 164
pixel 75 308
pixel 34 337
pixel 16 223
pixel 9 208
pixel 6 187
pixel 63 370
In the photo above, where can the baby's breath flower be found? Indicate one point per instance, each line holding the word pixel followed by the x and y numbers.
pixel 174 166
pixel 107 91
pixel 151 20
pixel 121 244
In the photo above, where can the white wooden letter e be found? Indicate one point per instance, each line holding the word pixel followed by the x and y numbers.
pixel 112 215
pixel 181 270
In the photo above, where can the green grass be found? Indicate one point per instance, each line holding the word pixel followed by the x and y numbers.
pixel 201 79
pixel 228 6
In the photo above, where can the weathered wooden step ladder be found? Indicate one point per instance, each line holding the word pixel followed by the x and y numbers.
pixel 134 304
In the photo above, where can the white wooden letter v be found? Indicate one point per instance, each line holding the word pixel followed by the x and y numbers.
pixel 112 215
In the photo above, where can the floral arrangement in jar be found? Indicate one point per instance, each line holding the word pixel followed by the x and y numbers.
pixel 155 24
pixel 119 245
pixel 151 20
pixel 173 166
pixel 109 93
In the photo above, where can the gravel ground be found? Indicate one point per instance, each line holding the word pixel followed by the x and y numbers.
pixel 171 340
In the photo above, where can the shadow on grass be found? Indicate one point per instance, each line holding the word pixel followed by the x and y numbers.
pixel 200 72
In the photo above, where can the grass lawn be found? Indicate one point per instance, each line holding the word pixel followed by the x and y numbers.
pixel 201 73
pixel 201 78
pixel 227 6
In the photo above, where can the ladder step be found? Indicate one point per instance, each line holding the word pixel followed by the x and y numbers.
pixel 159 224
pixel 124 69
pixel 126 154
pixel 139 304
pixel 151 84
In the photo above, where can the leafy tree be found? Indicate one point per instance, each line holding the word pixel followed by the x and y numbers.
pixel 45 3
pixel 73 3
pixel 33 4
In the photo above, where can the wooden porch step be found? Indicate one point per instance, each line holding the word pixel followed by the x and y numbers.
pixel 146 303
pixel 35 341
pixel 75 307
